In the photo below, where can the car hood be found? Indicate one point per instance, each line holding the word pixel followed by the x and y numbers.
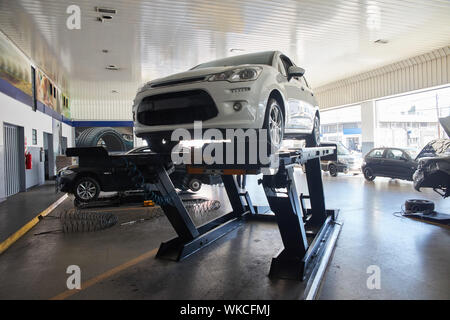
pixel 189 74
pixel 435 148
pixel 349 157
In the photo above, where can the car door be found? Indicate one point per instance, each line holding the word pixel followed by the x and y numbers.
pixel 296 117
pixel 374 161
pixel 398 164
pixel 308 103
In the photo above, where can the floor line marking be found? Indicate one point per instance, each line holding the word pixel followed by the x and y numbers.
pixel 30 224
pixel 68 293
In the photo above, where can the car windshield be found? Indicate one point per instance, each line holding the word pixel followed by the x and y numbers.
pixel 251 58
pixel 411 152
pixel 342 150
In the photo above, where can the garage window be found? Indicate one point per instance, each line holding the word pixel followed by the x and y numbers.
pixel 34 136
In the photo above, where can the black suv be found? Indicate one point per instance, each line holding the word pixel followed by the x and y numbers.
pixel 102 171
pixel 388 162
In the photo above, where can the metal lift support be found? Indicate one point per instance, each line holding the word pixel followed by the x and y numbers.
pixel 296 223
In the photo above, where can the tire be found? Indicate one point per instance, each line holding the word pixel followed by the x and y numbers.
pixel 368 174
pixel 333 170
pixel 418 205
pixel 274 124
pixel 112 138
pixel 195 185
pixel 157 144
pixel 86 189
pixel 313 140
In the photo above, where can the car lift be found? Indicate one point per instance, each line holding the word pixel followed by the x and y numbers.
pixel 295 222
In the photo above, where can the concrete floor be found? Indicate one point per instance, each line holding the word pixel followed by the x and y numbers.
pixel 20 208
pixel 118 262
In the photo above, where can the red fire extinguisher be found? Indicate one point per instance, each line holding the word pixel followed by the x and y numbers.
pixel 28 161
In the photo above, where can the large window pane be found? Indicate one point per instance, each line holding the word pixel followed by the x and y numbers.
pixel 411 121
pixel 342 125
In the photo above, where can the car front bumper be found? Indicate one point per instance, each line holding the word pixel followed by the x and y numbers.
pixel 65 183
pixel 249 94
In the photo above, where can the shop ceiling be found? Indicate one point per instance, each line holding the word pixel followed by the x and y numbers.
pixel 331 39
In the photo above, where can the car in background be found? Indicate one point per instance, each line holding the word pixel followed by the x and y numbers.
pixel 256 90
pixel 394 163
pixel 346 161
pixel 433 170
pixel 86 181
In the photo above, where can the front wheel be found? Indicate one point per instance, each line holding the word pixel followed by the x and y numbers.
pixel 368 174
pixel 333 170
pixel 313 140
pixel 274 124
pixel 86 189
pixel 195 185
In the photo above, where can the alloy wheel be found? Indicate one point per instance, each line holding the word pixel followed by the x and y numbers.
pixel 275 125
pixel 86 190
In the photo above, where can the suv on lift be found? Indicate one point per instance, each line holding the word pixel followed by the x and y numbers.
pixel 388 162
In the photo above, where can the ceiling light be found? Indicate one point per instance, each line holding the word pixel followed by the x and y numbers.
pixel 106 10
pixel 381 41
pixel 112 67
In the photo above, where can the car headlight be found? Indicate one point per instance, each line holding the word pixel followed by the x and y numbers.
pixel 66 172
pixel 237 75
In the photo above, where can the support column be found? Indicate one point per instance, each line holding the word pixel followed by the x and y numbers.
pixel 368 125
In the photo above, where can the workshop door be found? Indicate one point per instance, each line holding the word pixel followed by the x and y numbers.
pixel 12 159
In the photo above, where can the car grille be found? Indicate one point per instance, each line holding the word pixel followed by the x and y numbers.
pixel 174 82
pixel 176 108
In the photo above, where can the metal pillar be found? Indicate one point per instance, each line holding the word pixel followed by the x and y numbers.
pixel 190 238
pixel 295 227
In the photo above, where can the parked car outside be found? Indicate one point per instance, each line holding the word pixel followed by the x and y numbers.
pixel 257 90
pixel 388 162
pixel 346 161
pixel 431 164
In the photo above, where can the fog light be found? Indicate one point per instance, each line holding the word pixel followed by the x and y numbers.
pixel 237 106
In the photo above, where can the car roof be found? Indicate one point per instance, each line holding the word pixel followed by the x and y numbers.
pixel 253 54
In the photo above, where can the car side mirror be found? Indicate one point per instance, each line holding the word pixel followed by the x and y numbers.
pixel 295 71
pixel 403 158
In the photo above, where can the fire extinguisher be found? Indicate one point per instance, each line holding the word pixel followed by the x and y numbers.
pixel 28 161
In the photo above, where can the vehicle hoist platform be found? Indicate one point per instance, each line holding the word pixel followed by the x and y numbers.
pixel 304 231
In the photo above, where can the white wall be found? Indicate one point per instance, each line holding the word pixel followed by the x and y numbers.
pixel 19 114
pixel 69 133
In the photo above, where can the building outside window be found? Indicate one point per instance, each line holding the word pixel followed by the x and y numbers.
pixel 411 121
pixel 342 125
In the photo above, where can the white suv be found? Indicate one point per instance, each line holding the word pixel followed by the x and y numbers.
pixel 257 90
